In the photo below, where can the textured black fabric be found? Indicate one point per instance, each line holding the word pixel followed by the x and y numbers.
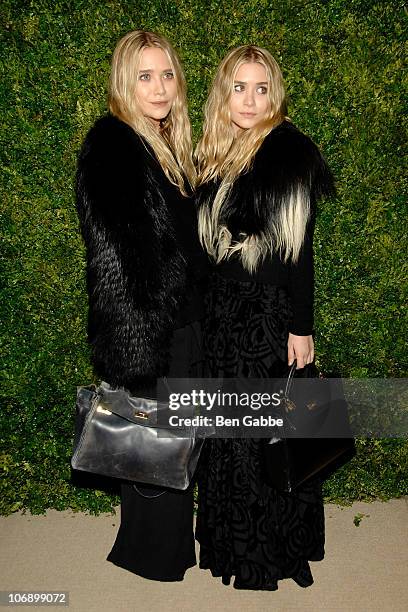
pixel 155 538
pixel 245 528
pixel 297 278
pixel 143 267
pixel 286 161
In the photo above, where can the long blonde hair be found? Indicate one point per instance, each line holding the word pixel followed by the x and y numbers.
pixel 172 146
pixel 222 156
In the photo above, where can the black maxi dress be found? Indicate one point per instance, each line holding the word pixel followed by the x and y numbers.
pixel 245 528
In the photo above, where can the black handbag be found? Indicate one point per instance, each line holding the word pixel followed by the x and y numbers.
pixel 118 435
pixel 291 461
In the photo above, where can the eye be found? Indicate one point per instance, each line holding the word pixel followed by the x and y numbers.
pixel 168 75
pixel 238 87
pixel 262 89
pixel 145 76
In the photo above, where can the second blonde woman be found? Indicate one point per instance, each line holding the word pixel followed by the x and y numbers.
pixel 259 180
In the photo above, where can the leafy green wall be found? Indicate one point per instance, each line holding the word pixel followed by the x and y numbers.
pixel 343 64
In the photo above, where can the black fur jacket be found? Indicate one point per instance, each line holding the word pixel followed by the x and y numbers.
pixel 286 160
pixel 133 222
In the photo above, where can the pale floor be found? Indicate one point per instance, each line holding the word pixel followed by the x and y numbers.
pixel 365 568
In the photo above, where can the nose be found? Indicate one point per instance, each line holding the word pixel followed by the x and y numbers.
pixel 159 88
pixel 249 99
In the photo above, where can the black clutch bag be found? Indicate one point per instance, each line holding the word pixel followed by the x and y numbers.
pixel 118 435
pixel 291 461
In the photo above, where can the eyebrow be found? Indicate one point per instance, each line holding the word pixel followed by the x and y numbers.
pixel 150 70
pixel 245 82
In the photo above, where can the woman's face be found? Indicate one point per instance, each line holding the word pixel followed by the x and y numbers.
pixel 249 102
pixel 156 87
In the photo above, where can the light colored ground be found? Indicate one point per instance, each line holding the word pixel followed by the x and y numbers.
pixel 365 569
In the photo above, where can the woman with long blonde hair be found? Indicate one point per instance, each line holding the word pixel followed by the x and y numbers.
pixel 134 184
pixel 259 178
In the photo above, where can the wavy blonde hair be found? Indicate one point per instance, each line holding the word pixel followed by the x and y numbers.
pixel 223 156
pixel 172 145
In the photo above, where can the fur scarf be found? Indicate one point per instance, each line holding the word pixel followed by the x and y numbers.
pixel 288 164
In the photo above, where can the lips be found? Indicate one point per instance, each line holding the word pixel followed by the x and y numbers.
pixel 248 115
pixel 160 103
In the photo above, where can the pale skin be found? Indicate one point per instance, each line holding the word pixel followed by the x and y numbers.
pixel 156 87
pixel 248 105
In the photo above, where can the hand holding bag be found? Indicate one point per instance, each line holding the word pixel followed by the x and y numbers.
pixel 289 462
pixel 117 435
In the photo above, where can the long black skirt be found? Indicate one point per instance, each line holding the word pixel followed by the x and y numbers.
pixel 156 539
pixel 246 528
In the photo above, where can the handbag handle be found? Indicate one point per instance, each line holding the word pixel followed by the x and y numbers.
pixel 289 380
pixel 291 377
pixel 148 496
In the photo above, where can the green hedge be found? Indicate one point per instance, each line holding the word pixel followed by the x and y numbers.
pixel 342 62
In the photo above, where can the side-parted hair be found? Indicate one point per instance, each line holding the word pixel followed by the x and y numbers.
pixel 172 146
pixel 222 156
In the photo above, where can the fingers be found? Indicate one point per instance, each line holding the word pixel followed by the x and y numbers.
pixel 300 348
pixel 291 354
pixel 311 355
pixel 301 362
pixel 303 357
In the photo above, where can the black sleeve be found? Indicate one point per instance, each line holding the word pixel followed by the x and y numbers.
pixel 301 274
pixel 301 286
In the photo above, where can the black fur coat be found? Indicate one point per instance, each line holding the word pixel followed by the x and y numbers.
pixel 137 266
pixel 287 160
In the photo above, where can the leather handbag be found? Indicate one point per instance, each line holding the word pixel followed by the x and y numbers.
pixel 289 462
pixel 118 435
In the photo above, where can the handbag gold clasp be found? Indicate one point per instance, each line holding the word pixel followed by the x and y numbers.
pixel 141 415
pixel 289 405
pixel 102 409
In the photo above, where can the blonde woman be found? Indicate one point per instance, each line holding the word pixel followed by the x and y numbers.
pixel 259 179
pixel 144 262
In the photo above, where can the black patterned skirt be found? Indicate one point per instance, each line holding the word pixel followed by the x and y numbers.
pixel 245 528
